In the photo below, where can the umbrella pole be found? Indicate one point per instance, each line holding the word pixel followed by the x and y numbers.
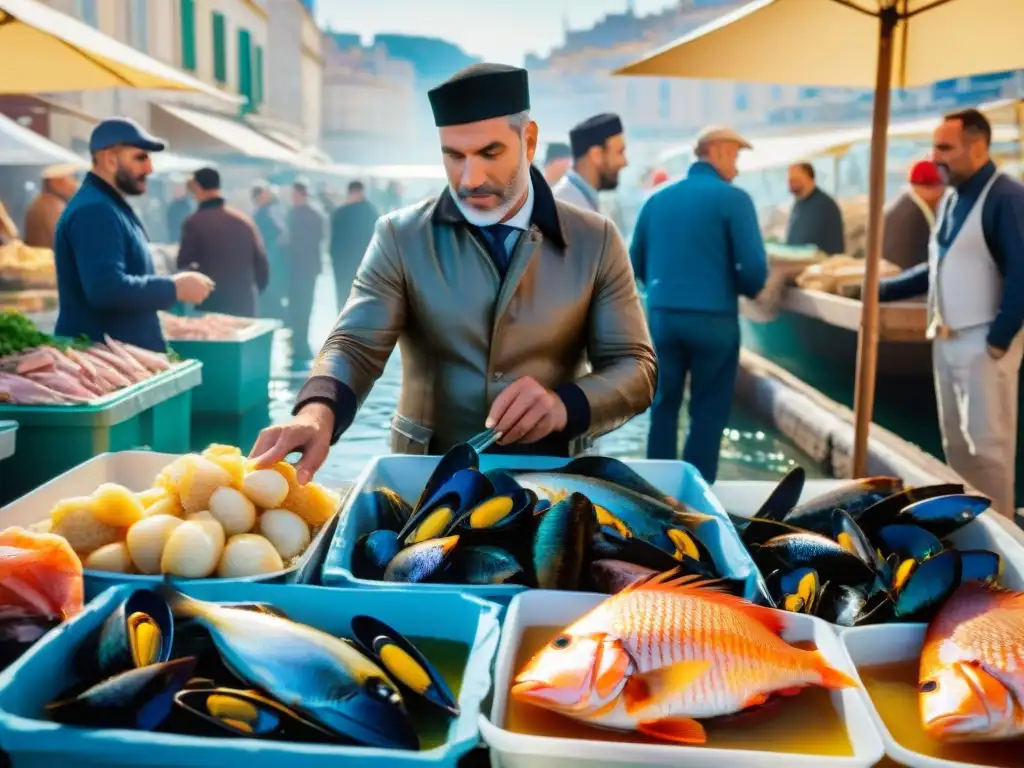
pixel 867 342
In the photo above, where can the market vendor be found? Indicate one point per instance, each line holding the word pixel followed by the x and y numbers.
pixel 910 218
pixel 105 278
pixel 815 218
pixel 495 292
pixel 59 183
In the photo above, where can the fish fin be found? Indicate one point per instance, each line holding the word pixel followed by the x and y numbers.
pixel 648 689
pixel 682 730
pixel 832 678
pixel 182 606
pixel 755 700
pixel 789 691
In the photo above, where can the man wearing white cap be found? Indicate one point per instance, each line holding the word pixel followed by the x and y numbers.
pixel 60 182
pixel 696 248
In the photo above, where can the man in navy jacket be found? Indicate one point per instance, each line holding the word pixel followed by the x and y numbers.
pixel 105 278
pixel 697 246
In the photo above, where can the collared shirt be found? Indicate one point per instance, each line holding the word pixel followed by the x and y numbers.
pixel 520 221
pixel 573 188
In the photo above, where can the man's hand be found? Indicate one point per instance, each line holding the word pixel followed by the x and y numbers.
pixel 995 352
pixel 527 412
pixel 192 287
pixel 309 433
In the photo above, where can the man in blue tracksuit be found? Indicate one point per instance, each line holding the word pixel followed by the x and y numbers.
pixel 697 246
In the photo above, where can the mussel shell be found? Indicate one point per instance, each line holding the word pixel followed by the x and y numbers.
pixel 112 651
pixel 139 698
pixel 439 514
pixel 831 561
pixel 608 544
pixel 928 586
pixel 618 473
pixel 612 576
pixel 755 531
pixel 886 510
pixel 802 583
pixel 420 562
pixel 502 481
pixel 461 456
pixel 372 553
pixel 403 662
pixel 19 633
pixel 850 537
pixel 389 509
pixel 784 497
pixel 480 565
pixel 560 544
pixel 879 609
pixel 687 545
pixel 907 542
pixel 498 512
pixel 268 719
pixel 979 565
pixel 854 497
pixel 941 515
pixel 841 604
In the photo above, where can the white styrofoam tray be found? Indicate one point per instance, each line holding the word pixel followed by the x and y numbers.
pixel 8 431
pixel 135 470
pixel 549 608
pixel 885 645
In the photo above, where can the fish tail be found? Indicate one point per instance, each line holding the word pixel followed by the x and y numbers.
pixel 182 606
pixel 831 677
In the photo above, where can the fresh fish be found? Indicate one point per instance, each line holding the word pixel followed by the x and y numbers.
pixel 831 561
pixel 422 561
pixel 373 552
pixel 213 711
pixel 140 698
pixel 784 497
pixel 942 515
pixel 853 497
pixel 971 684
pixel 561 541
pixel 910 545
pixel 613 576
pixel 886 510
pixel 323 678
pixel 979 565
pixel 618 473
pixel 755 531
pixel 480 565
pixel 608 544
pixel 928 585
pixel 663 653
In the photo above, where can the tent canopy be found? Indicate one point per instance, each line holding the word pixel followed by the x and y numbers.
pixel 23 146
pixel 205 132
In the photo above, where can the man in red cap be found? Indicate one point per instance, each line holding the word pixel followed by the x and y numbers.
pixel 910 218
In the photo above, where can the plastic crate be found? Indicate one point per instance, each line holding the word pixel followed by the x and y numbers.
pixel 52 439
pixel 41 674
pixel 236 372
pixel 8 429
pixel 135 470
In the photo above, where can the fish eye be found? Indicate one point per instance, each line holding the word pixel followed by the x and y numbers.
pixel 928 686
pixel 561 642
pixel 378 689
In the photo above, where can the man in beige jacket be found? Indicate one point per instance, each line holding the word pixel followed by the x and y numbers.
pixel 60 182
pixel 495 292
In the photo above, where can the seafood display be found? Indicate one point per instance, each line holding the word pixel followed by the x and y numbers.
pixel 591 524
pixel 36 369
pixel 665 653
pixel 165 661
pixel 211 326
pixel 207 514
pixel 868 552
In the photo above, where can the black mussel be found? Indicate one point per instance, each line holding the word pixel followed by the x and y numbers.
pixel 199 683
pixel 140 698
pixel 560 544
pixel 502 481
pixel 686 544
pixel 910 545
pixel 841 604
pixel 499 512
pixel 372 553
pixel 403 662
pixel 438 515
pixel 460 457
pixel 854 497
pixel 886 510
pixel 928 586
pixel 213 711
pixel 979 565
pixel 389 509
pixel 607 519
pixel 608 544
pixel 618 473
pixel 850 537
pixel 941 515
pixel 879 609
pixel 612 576
pixel 796 590
pixel 480 565
pixel 784 497
pixel 795 550
pixel 755 531
pixel 19 633
pixel 420 562
pixel 139 632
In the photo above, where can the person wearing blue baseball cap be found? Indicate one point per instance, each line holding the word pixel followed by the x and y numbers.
pixel 106 283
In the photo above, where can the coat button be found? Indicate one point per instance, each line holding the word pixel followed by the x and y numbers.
pixel 497 375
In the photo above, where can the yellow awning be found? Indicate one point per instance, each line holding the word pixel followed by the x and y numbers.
pixel 46 51
pixel 202 132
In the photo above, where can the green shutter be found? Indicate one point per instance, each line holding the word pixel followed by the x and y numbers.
pixel 258 63
pixel 245 80
pixel 220 57
pixel 188 34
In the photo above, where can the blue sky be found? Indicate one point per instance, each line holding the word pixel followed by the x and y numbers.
pixel 500 32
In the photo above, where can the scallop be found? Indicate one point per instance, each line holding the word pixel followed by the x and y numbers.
pixel 313 503
pixel 74 520
pixel 233 510
pixel 168 505
pixel 147 538
pixel 151 496
pixel 191 551
pixel 112 557
pixel 212 525
pixel 193 478
pixel 248 555
pixel 286 531
pixel 229 458
pixel 266 488
pixel 115 505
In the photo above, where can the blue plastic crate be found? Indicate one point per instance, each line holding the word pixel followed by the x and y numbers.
pixel 44 672
pixel 406 475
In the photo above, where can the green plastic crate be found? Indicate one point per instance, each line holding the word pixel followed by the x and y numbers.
pixel 7 433
pixel 236 372
pixel 52 439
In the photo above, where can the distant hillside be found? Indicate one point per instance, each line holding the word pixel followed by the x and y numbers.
pixel 433 59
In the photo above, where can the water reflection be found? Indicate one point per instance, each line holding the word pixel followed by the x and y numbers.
pixel 749 450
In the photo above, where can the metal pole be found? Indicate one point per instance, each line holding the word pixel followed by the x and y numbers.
pixel 867 343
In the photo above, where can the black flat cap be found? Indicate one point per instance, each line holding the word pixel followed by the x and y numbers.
pixel 480 92
pixel 594 132
pixel 557 150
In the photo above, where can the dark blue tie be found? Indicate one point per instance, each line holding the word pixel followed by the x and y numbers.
pixel 497 237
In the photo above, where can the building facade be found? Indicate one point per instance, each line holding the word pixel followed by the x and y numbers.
pixel 294 56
